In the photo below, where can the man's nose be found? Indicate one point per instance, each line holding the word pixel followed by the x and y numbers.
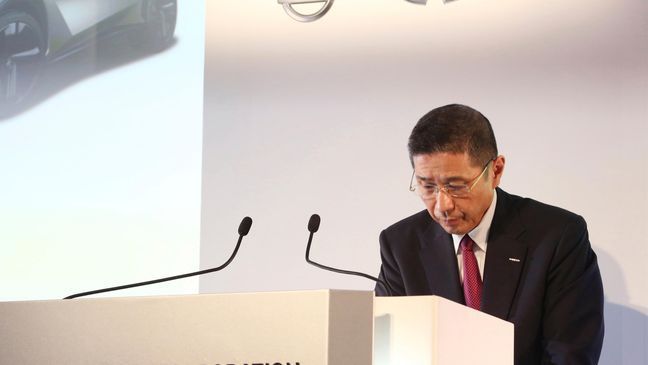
pixel 444 202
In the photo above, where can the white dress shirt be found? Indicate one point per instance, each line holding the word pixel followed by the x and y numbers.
pixel 480 236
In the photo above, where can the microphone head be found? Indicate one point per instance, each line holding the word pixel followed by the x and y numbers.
pixel 314 223
pixel 244 227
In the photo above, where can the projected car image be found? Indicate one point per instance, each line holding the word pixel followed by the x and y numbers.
pixel 36 33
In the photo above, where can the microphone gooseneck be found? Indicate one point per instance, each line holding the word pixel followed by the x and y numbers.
pixel 244 229
pixel 313 226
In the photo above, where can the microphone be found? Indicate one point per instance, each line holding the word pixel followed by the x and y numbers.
pixel 243 230
pixel 313 226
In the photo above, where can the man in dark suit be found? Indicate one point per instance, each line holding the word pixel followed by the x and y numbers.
pixel 515 258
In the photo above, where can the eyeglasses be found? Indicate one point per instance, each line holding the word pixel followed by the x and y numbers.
pixel 430 191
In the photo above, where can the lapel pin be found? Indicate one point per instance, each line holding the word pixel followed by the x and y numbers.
pixel 514 259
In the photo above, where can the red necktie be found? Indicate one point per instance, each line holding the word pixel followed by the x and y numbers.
pixel 472 282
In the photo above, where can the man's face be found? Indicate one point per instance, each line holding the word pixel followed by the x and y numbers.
pixel 457 215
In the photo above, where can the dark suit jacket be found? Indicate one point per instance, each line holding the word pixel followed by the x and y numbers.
pixel 553 295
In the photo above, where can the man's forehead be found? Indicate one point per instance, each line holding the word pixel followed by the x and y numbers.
pixel 442 178
pixel 443 166
pixel 443 160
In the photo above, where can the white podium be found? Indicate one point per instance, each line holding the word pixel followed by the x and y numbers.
pixel 323 327
pixel 430 330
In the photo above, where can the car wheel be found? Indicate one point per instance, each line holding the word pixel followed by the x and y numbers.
pixel 22 55
pixel 160 17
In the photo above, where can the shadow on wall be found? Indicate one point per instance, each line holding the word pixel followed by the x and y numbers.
pixel 102 56
pixel 626 337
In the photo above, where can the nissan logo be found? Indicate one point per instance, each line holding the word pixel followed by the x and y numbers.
pixel 289 7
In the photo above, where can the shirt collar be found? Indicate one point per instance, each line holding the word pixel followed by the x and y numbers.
pixel 479 234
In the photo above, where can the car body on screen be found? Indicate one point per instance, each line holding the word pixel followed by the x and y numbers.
pixel 35 32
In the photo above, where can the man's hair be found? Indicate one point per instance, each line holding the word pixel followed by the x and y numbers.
pixel 454 128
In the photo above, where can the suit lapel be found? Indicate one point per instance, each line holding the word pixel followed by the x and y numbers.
pixel 440 263
pixel 505 258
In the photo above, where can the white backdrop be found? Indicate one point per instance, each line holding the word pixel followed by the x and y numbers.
pixel 100 182
pixel 314 118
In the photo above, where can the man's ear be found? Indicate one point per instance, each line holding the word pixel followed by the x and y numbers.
pixel 498 170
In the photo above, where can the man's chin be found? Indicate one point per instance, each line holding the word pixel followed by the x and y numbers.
pixel 457 232
pixel 454 227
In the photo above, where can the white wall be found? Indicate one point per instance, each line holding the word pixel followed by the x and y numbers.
pixel 100 182
pixel 304 118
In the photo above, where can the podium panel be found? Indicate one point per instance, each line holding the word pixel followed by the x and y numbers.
pixel 321 327
pixel 430 330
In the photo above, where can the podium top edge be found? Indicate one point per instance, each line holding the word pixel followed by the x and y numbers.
pixel 179 296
